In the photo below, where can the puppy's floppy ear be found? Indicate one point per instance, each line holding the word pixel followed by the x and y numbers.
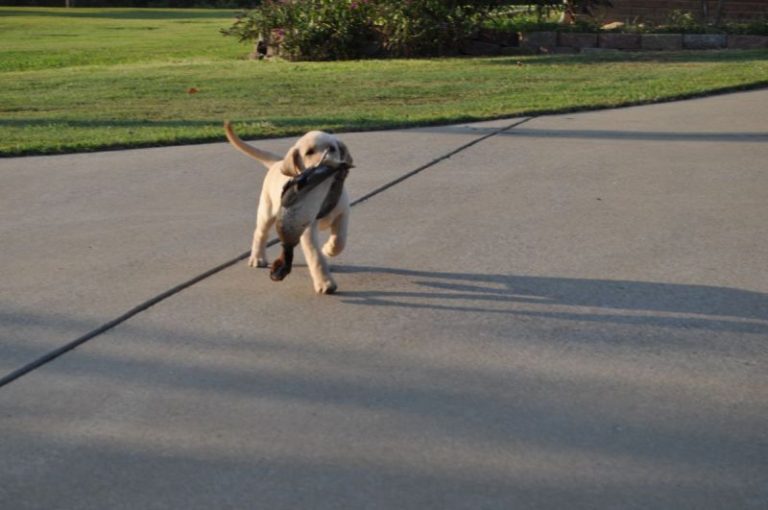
pixel 292 163
pixel 345 155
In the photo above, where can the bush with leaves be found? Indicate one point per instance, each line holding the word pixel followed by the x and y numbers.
pixel 311 29
pixel 346 29
pixel 429 27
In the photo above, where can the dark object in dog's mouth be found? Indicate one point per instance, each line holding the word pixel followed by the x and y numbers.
pixel 305 198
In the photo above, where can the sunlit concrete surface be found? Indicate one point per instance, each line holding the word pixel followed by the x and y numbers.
pixel 569 313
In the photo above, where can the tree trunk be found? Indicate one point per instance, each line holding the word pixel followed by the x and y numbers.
pixel 719 13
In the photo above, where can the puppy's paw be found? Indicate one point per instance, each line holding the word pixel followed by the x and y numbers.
pixel 326 287
pixel 279 270
pixel 255 261
pixel 332 248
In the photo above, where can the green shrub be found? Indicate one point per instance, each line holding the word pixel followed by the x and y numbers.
pixel 310 29
pixel 754 28
pixel 682 22
pixel 348 29
pixel 428 27
pixel 521 21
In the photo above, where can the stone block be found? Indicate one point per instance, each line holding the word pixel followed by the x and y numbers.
pixel 500 37
pixel 704 41
pixel 599 51
pixel 539 41
pixel 480 48
pixel 747 42
pixel 574 40
pixel 666 42
pixel 619 41
pixel 515 50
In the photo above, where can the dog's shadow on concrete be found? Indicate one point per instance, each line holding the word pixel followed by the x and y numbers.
pixel 607 301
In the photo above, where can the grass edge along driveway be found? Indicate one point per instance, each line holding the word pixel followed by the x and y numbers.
pixel 68 97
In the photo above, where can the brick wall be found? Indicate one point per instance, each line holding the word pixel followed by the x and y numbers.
pixel 658 10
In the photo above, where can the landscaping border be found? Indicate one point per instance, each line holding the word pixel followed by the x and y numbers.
pixel 543 42
pixel 575 42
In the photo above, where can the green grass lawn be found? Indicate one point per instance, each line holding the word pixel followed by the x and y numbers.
pixel 89 79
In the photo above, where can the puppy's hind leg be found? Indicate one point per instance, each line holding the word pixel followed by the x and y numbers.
pixel 264 222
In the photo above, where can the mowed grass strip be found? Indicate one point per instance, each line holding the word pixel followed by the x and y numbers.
pixel 167 77
pixel 38 38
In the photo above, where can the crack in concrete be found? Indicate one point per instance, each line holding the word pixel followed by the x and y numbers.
pixel 107 326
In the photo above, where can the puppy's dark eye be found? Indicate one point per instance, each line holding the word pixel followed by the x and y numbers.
pixel 310 152
pixel 333 149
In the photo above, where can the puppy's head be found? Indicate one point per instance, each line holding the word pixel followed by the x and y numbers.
pixel 312 149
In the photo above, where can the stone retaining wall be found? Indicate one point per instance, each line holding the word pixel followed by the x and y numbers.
pixel 566 42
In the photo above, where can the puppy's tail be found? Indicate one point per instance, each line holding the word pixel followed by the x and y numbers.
pixel 265 158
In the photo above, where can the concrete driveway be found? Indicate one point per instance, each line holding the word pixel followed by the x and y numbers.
pixel 558 312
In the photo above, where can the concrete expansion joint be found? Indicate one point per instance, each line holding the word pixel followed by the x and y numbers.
pixel 69 346
pixel 439 159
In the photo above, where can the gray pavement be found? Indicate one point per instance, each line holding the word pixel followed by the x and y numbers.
pixel 569 313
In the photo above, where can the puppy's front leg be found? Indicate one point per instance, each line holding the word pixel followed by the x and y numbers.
pixel 264 221
pixel 338 238
pixel 318 267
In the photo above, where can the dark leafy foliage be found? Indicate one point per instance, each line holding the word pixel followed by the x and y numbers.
pixel 342 29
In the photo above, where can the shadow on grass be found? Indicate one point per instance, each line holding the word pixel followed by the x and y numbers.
pixel 111 123
pixel 263 123
pixel 214 132
pixel 658 57
pixel 266 127
pixel 121 14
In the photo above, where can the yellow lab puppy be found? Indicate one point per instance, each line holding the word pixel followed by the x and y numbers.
pixel 307 152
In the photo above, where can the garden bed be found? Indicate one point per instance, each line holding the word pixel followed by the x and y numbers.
pixel 542 42
pixel 358 29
